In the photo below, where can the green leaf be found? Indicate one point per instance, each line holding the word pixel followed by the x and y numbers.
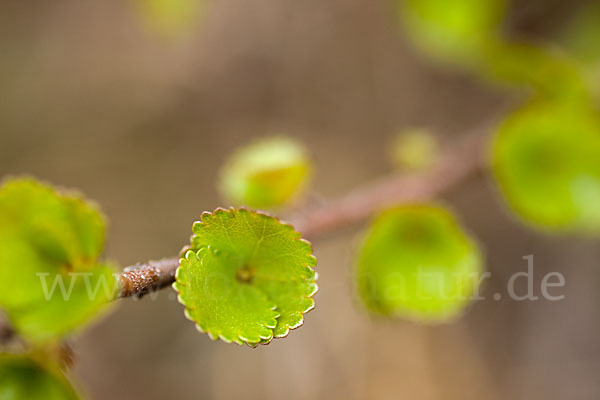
pixel 22 378
pixel 49 239
pixel 467 33
pixel 550 72
pixel 417 263
pixel 85 297
pixel 248 277
pixel 268 173
pixel 546 159
pixel 455 31
pixel 64 228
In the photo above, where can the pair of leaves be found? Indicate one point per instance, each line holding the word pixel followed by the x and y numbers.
pixel 247 278
pixel 467 33
pixel 22 378
pixel 545 157
pixel 416 262
pixel 240 285
pixel 50 279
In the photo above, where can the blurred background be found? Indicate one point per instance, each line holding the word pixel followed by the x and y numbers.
pixel 94 96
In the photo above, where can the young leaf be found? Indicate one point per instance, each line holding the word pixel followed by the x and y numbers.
pixel 247 278
pixel 417 263
pixel 467 33
pixel 84 297
pixel 548 71
pixel 22 378
pixel 546 159
pixel 49 245
pixel 268 173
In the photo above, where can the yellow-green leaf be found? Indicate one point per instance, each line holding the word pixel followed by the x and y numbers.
pixel 452 30
pixel 51 281
pixel 247 278
pixel 268 173
pixel 546 159
pixel 417 263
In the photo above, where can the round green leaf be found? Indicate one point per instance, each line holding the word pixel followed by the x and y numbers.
pixel 417 263
pixel 248 277
pixel 50 279
pixel 21 378
pixel 546 159
pixel 267 173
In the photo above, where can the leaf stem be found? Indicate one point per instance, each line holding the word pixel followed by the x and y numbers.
pixel 455 165
pixel 144 278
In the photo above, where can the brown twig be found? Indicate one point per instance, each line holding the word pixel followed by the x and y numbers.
pixel 454 166
pixel 6 332
pixel 140 279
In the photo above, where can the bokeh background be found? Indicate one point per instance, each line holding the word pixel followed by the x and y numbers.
pixel 93 97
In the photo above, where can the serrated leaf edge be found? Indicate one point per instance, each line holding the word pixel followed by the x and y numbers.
pixel 198 327
pixel 298 237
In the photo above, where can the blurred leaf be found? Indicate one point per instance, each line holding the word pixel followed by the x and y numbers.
pixel 414 149
pixel 47 240
pixel 171 17
pixel 417 263
pixel 454 31
pixel 21 378
pixel 267 173
pixel 546 159
pixel 248 278
pixel 86 297
pixel 63 228
pixel 466 33
pixel 552 73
